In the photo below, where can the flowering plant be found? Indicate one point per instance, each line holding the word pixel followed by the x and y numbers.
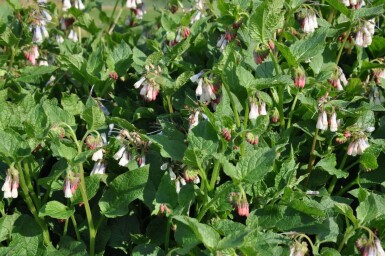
pixel 208 127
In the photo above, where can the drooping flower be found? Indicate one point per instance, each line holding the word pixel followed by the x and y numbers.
pixel 205 90
pixel 150 88
pixel 298 249
pixel 226 134
pixel 131 4
pixel 364 34
pixel 357 145
pixel 338 80
pixel 299 78
pixel 79 5
pixel 66 5
pixel 99 168
pixel 37 35
pixel 11 183
pixel 254 110
pixel 322 122
pixel 309 22
pixel 71 184
pixel 73 35
pixel 333 122
pixel 262 109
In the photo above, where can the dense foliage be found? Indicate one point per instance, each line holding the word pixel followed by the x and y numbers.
pixel 205 128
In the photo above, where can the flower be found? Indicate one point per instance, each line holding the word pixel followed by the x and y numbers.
pixel 322 122
pixel 299 78
pixel 357 146
pixel 339 79
pixel 66 5
pixel 254 110
pixel 67 189
pixel 309 23
pixel 79 5
pixel 226 133
pixel 333 122
pixel 73 36
pixel 262 109
pixel 222 42
pixel 71 184
pixel 11 183
pixel 365 33
pixel 298 249
pixel 205 91
pixel 123 156
pixel 194 119
pixel 131 4
pixel 196 77
pixel 37 35
pixel 99 168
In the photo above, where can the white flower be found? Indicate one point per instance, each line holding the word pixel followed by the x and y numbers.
pixel 43 63
pixel 333 122
pixel 59 39
pixel 44 31
pixel 131 4
pixel 199 89
pixel 14 192
pixel 98 155
pixel 177 186
pixel 99 168
pixel 79 5
pixel 125 159
pixel 262 109
pixel 46 15
pixel 182 181
pixel 172 174
pixel 67 189
pixel 380 250
pixel 120 152
pixel 66 5
pixel 73 36
pixel 143 161
pixel 196 180
pixel 37 35
pixel 6 188
pixel 254 111
pixel 322 122
pixel 195 77
pixel 139 82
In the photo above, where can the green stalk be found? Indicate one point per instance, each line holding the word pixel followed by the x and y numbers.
pixel 237 120
pixel 245 120
pixel 35 199
pixel 347 187
pixel 65 227
pixel 31 206
pixel 291 110
pixel 92 230
pixel 167 238
pixel 348 232
pixel 115 21
pixel 169 104
pixel 75 227
pixel 343 46
pixel 280 93
pixel 312 156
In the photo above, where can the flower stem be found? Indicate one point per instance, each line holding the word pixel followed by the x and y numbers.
pixel 75 227
pixel 32 208
pixel 65 227
pixel 115 21
pixel 280 92
pixel 348 232
pixel 167 238
pixel 312 155
pixel 291 111
pixel 35 199
pixel 169 103
pixel 88 210
pixel 343 46
pixel 245 120
pixel 347 187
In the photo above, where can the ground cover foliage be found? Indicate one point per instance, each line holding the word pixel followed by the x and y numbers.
pixel 199 128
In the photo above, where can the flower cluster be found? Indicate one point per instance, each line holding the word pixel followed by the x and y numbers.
pixel 356 4
pixel 206 91
pixel 298 249
pixel 257 108
pixel 338 80
pixel 309 21
pixel 378 74
pixel 11 183
pixel 370 247
pixel 358 144
pixel 148 83
pixel 92 143
pixel 376 97
pixel 261 52
pixel 323 123
pixel 365 33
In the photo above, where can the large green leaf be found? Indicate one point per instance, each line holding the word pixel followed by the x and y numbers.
pixel 305 49
pixel 57 210
pixel 123 190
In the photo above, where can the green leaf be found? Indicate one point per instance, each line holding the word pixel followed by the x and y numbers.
pixel 121 228
pixel 168 22
pixel 314 44
pixel 147 249
pixel 56 210
pixel 245 77
pixel 68 247
pixel 368 12
pixel 12 145
pixel 121 58
pixel 328 164
pixel 124 189
pixel 57 115
pixel 7 37
pixel 347 211
pixel 35 74
pixel 339 6
pixel 266 20
pixel 92 186
pixel 95 62
pixel 372 208
pixel 206 234
pixel 286 53
pixel 63 148
pixel 72 104
pixel 6 226
pixel 93 115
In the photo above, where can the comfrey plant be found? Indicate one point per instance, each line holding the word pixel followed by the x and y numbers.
pixel 223 127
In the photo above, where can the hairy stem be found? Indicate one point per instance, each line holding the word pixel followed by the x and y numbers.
pixel 75 227
pixel 334 179
pixel 280 93
pixel 312 155
pixel 232 102
pixel 245 121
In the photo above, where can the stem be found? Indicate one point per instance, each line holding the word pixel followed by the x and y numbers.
pixel 31 206
pixel 312 156
pixel 88 210
pixel 65 227
pixel 202 173
pixel 113 11
pixel 237 120
pixel 169 104
pixel 291 110
pixel 167 239
pixel 75 227
pixel 346 238
pixel 280 93
pixel 347 187
pixel 334 180
pixel 342 46
pixel 245 120
pixel 11 60
pixel 35 200
pixel 215 175
pixel 115 21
